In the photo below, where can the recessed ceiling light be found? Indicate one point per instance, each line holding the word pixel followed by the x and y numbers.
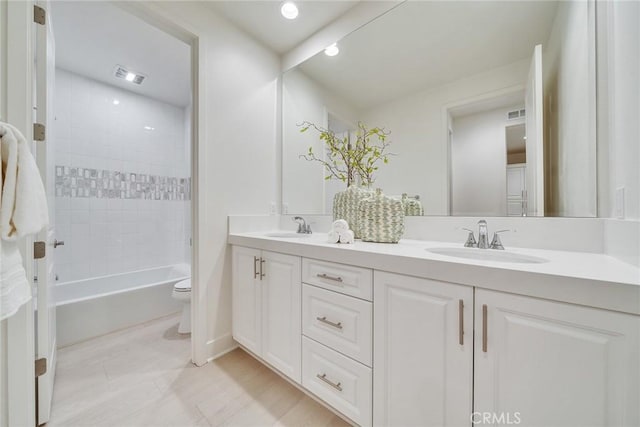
pixel 524 137
pixel 149 128
pixel 130 77
pixel 289 10
pixel 332 50
pixel 116 102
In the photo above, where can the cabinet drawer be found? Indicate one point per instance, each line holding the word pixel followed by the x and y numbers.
pixel 343 383
pixel 341 322
pixel 354 281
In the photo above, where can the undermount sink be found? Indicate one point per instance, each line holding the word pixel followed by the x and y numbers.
pixel 287 235
pixel 488 255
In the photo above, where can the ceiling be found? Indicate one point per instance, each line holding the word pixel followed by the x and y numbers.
pixel 263 21
pixel 421 45
pixel 93 48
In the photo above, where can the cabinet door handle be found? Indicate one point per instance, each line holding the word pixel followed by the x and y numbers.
pixel 324 320
pixel 461 322
pixel 255 267
pixel 324 378
pixel 484 328
pixel 327 277
pixel 262 273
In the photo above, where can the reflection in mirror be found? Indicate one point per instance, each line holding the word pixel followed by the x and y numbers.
pixel 490 105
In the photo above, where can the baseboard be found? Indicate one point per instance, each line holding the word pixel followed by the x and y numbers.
pixel 220 346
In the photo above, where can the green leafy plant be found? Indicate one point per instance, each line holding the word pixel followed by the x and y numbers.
pixel 348 160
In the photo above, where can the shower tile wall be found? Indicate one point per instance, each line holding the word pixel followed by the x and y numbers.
pixel 117 138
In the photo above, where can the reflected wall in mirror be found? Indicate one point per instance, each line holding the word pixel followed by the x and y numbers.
pixel 490 105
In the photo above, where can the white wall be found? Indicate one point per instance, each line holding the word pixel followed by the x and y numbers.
pixel 123 228
pixel 303 99
pixel 479 163
pixel 237 151
pixel 418 134
pixel 569 92
pixel 624 105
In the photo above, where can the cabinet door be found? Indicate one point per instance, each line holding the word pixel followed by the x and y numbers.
pixel 282 313
pixel 423 352
pixel 554 364
pixel 246 296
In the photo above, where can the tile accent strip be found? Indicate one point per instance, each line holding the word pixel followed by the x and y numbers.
pixel 106 184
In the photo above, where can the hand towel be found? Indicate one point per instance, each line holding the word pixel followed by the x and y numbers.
pixel 333 237
pixel 23 211
pixel 340 225
pixel 23 201
pixel 346 236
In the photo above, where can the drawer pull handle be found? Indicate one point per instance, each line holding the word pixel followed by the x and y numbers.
pixel 327 277
pixel 324 320
pixel 461 322
pixel 255 267
pixel 262 273
pixel 484 328
pixel 324 378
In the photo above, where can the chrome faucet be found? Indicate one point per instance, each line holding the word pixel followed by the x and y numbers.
pixel 483 238
pixel 303 227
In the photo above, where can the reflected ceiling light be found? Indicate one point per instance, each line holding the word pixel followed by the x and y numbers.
pixel 116 102
pixel 524 137
pixel 332 50
pixel 289 10
pixel 149 128
pixel 128 75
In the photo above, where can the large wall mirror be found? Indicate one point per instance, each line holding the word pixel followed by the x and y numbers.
pixel 490 107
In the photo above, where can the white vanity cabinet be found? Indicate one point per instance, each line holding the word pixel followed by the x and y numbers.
pixel 266 307
pixel 423 352
pixel 555 364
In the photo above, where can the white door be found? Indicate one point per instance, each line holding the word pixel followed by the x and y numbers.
pixel 281 313
pixel 534 145
pixel 516 178
pixel 422 352
pixel 555 364
pixel 46 308
pixel 246 296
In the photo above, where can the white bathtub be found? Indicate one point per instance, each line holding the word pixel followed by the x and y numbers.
pixel 92 307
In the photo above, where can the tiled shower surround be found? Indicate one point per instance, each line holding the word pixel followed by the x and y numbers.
pixel 122 180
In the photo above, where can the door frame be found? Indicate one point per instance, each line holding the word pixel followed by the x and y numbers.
pixel 169 25
pixel 447 133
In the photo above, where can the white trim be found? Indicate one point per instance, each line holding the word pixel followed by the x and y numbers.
pixel 220 346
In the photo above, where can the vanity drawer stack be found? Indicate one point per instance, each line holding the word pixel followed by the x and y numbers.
pixel 337 336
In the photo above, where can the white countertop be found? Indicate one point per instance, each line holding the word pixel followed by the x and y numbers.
pixel 589 279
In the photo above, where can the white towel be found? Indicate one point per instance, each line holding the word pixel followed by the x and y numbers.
pixel 340 225
pixel 23 211
pixel 333 237
pixel 23 201
pixel 346 236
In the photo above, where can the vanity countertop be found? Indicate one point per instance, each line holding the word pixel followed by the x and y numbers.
pixel 594 280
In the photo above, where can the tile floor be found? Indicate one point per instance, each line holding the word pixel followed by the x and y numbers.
pixel 142 376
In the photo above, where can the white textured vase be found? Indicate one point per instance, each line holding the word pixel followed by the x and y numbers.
pixel 346 204
pixel 381 219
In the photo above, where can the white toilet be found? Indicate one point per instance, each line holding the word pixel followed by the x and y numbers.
pixel 182 292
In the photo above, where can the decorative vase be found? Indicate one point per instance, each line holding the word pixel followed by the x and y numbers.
pixel 381 219
pixel 412 205
pixel 346 204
